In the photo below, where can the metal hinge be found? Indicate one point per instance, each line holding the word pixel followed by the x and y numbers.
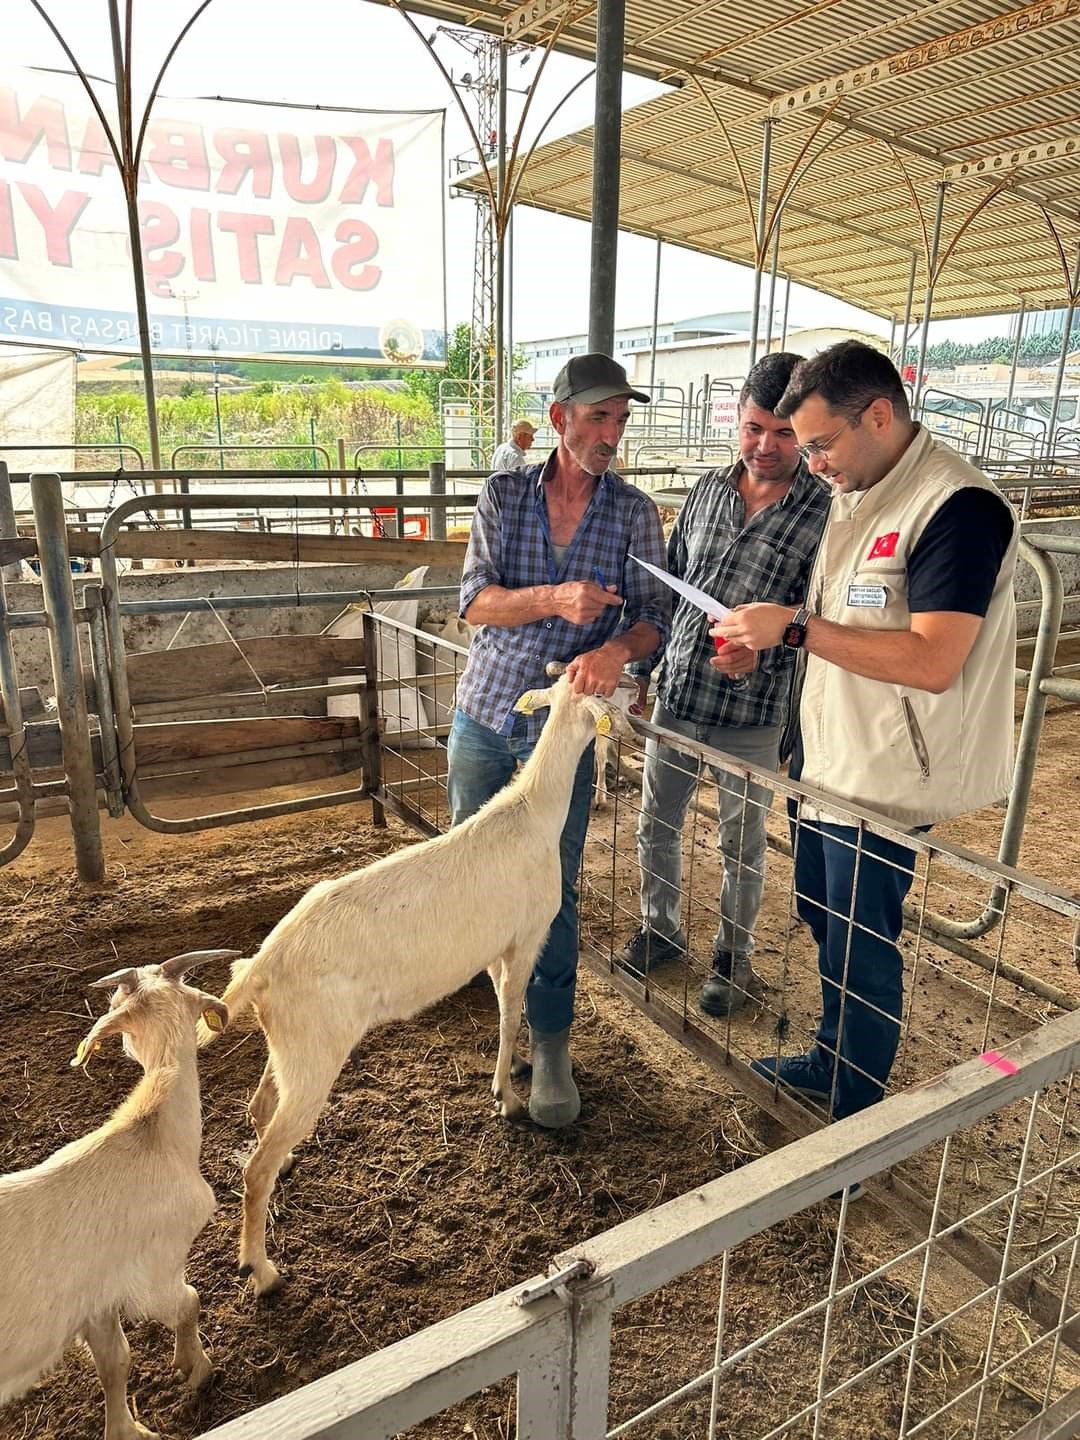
pixel 561 1280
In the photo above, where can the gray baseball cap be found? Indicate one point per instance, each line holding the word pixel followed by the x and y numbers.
pixel 588 379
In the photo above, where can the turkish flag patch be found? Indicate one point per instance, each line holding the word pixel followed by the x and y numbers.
pixel 884 546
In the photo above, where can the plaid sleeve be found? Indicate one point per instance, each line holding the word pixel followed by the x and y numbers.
pixel 646 597
pixel 483 558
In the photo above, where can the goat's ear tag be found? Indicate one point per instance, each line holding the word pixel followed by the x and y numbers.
pixel 527 704
pixel 83 1053
pixel 603 724
pixel 212 1019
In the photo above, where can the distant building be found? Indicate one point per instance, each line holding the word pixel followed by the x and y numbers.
pixel 714 346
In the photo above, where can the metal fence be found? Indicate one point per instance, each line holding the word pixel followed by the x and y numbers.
pixel 949 1309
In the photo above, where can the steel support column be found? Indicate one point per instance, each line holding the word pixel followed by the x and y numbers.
pixel 130 178
pixel 8 529
pixel 607 137
pixel 1059 378
pixel 892 341
pixel 759 239
pixel 772 283
pixel 907 311
pixel 59 597
pixel 931 281
pixel 501 432
pixel 1016 351
pixel 655 316
pixel 787 304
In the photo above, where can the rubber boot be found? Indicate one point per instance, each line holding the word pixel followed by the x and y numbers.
pixel 553 1099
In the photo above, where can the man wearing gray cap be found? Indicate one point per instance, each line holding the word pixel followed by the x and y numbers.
pixel 546 577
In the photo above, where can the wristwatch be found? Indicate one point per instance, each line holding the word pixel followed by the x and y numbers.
pixel 795 631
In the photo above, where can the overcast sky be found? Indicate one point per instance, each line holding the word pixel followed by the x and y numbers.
pixel 340 52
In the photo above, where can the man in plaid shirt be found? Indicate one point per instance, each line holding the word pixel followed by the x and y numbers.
pixel 546 577
pixel 745 533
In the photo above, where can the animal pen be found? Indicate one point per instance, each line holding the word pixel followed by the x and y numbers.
pixel 957 1314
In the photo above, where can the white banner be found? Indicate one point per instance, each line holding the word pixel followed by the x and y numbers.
pixel 267 230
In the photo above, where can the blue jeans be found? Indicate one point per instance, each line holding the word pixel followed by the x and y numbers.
pixel 479 764
pixel 862 980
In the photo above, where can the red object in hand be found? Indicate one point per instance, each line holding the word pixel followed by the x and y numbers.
pixel 719 641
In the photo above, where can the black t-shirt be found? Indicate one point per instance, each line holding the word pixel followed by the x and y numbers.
pixel 956 559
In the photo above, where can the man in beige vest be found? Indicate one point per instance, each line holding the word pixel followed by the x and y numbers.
pixel 909 638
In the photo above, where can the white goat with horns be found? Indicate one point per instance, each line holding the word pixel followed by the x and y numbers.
pixel 387 941
pixel 103 1227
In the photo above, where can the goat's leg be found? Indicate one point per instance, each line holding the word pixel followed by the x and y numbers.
pixel 112 1356
pixel 178 1308
pixel 510 975
pixel 302 1092
pixel 261 1108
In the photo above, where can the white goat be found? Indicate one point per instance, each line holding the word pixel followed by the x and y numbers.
pixel 103 1226
pixel 385 942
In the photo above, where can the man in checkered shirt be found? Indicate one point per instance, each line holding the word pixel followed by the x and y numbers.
pixel 547 577
pixel 748 532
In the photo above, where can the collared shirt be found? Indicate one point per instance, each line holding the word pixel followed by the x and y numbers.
pixel 510 545
pixel 508 456
pixel 770 559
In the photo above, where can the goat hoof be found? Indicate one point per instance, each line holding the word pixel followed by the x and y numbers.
pixel 199 1373
pixel 266 1279
pixel 511 1108
pixel 244 1271
pixel 287 1166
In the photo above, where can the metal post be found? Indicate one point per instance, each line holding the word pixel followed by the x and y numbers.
pixel 130 177
pixel 787 302
pixel 59 596
pixel 1060 376
pixel 607 139
pixel 8 529
pixel 437 486
pixel 655 316
pixel 931 280
pixel 907 311
pixel 509 283
pixel 99 663
pixel 772 283
pixel 217 416
pixel 500 255
pixel 369 715
pixel 892 340
pixel 1016 351
pixel 759 244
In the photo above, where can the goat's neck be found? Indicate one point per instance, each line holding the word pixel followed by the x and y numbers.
pixel 170 1088
pixel 549 771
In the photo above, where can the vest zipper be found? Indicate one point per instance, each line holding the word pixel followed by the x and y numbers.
pixel 915 736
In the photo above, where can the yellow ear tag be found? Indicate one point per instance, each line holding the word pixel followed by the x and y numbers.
pixel 85 1050
pixel 603 725
pixel 527 704
pixel 212 1020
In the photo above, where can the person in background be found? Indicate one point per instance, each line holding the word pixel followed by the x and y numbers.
pixel 547 577
pixel 909 634
pixel 510 455
pixel 747 532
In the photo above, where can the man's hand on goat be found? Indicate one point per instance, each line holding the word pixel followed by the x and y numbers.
pixel 581 601
pixel 595 673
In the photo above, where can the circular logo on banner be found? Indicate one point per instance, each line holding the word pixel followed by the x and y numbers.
pixel 400 340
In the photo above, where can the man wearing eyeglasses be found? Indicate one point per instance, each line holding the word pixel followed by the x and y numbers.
pixel 747 531
pixel 909 639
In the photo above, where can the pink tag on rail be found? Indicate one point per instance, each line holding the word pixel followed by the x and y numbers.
pixel 999 1062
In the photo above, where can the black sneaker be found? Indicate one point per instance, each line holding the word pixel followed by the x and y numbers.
pixel 732 982
pixel 804 1074
pixel 648 946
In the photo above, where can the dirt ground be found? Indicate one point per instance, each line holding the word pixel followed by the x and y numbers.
pixel 412 1201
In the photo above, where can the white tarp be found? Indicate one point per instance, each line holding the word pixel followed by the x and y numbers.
pixel 266 229
pixel 37 403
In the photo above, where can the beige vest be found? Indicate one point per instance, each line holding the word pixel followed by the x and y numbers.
pixel 914 756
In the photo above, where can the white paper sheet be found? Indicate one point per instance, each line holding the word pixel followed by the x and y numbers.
pixel 698 598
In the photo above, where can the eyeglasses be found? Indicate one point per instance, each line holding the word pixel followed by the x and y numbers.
pixel 818 449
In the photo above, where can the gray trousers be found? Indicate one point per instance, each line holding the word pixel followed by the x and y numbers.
pixel 667 787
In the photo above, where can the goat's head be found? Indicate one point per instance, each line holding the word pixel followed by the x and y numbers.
pixel 154 1000
pixel 608 713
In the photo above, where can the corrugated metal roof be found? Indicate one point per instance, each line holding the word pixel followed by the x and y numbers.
pixel 912 89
